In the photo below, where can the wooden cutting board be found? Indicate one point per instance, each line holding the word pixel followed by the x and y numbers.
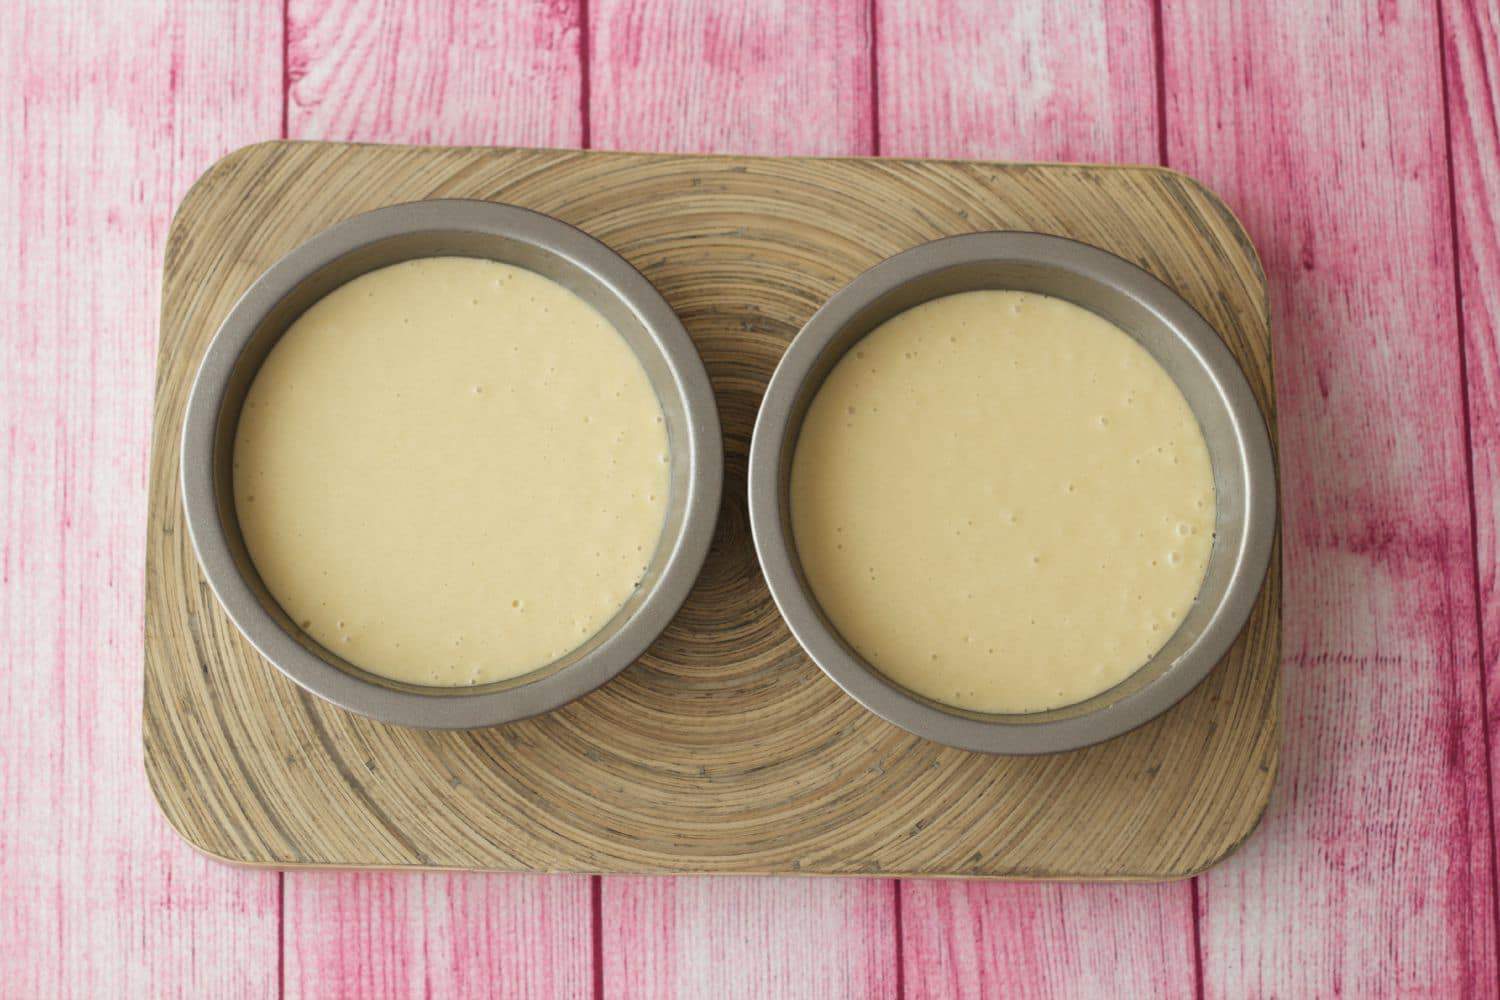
pixel 724 749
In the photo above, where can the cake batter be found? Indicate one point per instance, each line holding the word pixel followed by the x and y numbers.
pixel 451 471
pixel 1002 501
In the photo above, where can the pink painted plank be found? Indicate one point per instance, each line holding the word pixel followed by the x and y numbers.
pixel 784 78
pixel 714 77
pixel 958 80
pixel 1472 52
pixel 481 73
pixel 1027 81
pixel 970 939
pixel 382 935
pixel 111 110
pixel 1322 125
pixel 728 938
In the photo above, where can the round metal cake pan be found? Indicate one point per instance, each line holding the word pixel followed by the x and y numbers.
pixel 471 229
pixel 1175 335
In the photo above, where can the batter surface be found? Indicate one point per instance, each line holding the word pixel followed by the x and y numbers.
pixel 451 471
pixel 1002 501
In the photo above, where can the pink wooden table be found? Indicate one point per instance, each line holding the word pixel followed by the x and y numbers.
pixel 1357 141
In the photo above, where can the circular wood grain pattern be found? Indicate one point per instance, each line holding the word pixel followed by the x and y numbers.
pixel 723 749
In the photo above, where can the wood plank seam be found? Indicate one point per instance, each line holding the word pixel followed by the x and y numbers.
pixel 286 107
pixel 1468 449
pixel 1159 52
pixel 286 65
pixel 872 19
pixel 585 140
pixel 1159 55
pixel 585 79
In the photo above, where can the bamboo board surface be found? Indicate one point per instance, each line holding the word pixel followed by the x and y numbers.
pixel 724 749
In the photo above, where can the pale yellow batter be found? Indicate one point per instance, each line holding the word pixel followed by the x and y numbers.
pixel 451 471
pixel 1002 501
